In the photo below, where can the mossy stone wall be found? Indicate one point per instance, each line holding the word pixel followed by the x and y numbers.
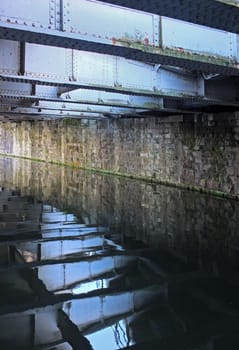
pixel 199 151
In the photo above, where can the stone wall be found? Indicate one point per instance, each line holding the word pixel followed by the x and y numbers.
pixel 200 150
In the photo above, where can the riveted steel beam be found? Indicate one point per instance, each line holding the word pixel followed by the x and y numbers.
pixel 122 32
pixel 112 99
pixel 92 71
pixel 218 91
pixel 79 69
pixel 50 107
pixel 212 13
pixel 16 110
pixel 21 113
pixel 104 81
pixel 11 92
pixel 58 110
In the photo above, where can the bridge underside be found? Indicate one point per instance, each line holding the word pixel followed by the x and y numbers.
pixel 212 13
pixel 89 59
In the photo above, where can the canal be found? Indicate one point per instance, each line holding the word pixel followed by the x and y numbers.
pixel 90 261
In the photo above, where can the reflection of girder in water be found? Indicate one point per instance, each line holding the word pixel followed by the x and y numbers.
pixel 111 307
pixel 100 304
pixel 105 305
pixel 22 217
pixel 84 245
pixel 60 276
pixel 76 274
pixel 126 302
pixel 53 235
pixel 19 214
pixel 73 308
pixel 102 310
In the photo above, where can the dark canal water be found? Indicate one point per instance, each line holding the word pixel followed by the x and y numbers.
pixel 97 262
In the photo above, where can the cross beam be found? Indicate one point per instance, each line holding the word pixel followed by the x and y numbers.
pixel 79 69
pixel 122 32
pixel 29 93
pixel 221 14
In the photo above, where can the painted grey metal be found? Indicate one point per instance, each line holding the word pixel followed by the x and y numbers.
pixel 195 38
pixel 123 32
pixel 107 22
pixel 17 115
pixel 15 89
pixel 48 62
pixel 83 102
pixel 50 108
pixel 19 12
pixel 113 99
pixel 92 70
pixel 97 72
pixel 221 14
pixel 115 35
pixel 214 13
pixel 10 57
pixel 21 93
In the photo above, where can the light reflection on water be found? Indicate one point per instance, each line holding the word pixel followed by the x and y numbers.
pixel 123 261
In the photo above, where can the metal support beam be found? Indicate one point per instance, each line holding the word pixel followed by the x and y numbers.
pixel 116 75
pixel 9 112
pixel 212 13
pixel 113 99
pixel 122 32
pixel 53 108
pixel 19 93
pixel 94 71
pixel 29 91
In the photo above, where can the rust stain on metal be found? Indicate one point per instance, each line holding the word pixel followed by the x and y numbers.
pixel 114 41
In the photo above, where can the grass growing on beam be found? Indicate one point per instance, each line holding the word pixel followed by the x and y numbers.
pixel 193 188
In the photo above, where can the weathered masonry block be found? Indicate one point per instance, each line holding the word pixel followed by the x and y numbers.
pixel 200 150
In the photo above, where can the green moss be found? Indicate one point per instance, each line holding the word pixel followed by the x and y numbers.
pixel 189 187
pixel 177 52
pixel 71 122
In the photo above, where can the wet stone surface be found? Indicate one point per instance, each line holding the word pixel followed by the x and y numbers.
pixel 98 262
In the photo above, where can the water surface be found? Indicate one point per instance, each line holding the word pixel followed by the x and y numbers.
pixel 99 262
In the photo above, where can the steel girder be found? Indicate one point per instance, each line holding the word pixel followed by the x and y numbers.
pixel 66 108
pixel 27 94
pixel 79 69
pixel 40 80
pixel 122 32
pixel 221 14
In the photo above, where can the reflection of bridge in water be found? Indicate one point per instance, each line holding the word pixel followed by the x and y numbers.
pixel 63 282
